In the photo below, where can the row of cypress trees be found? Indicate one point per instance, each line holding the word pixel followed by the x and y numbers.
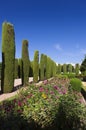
pixel 21 68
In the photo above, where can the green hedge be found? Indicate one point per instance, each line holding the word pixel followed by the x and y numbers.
pixel 76 84
pixel 8 57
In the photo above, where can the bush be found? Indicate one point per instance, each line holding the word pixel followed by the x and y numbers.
pixel 71 114
pixel 76 84
pixel 70 75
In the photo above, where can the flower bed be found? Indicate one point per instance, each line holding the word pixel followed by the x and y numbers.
pixel 49 106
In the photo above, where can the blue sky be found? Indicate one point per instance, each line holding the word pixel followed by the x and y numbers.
pixel 56 28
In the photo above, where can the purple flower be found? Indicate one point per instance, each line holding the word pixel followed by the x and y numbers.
pixel 56 87
pixel 41 89
pixel 45 82
pixel 52 93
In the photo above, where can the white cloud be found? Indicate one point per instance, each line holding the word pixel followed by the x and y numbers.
pixel 58 47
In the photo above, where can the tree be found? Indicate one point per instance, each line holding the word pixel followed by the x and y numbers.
pixel 45 66
pixel 42 67
pixel 83 66
pixel 16 69
pixel 77 67
pixel 25 62
pixel 64 68
pixel 69 68
pixel 20 68
pixel 0 69
pixel 59 69
pixel 31 69
pixel 8 57
pixel 48 70
pixel 36 66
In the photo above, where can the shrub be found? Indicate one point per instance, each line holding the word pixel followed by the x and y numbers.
pixel 70 75
pixel 71 114
pixel 76 84
pixel 8 57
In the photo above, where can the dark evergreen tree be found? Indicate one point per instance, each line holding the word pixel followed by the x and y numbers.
pixel 45 66
pixel 36 66
pixel 42 67
pixel 25 62
pixel 20 68
pixel 8 57
pixel 77 67
pixel 31 69
pixel 16 69
pixel 59 69
pixel 64 68
pixel 83 66
pixel 0 69
pixel 69 68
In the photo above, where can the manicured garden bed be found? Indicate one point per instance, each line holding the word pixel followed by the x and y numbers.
pixel 50 106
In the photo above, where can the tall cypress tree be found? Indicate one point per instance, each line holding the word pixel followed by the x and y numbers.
pixel 8 57
pixel 36 66
pixel 16 69
pixel 25 62
pixel 54 68
pixel 42 67
pixel 77 67
pixel 20 68
pixel 64 68
pixel 45 66
pixel 59 67
pixel 48 70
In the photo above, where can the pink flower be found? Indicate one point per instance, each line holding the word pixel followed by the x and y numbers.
pixel 52 93
pixel 29 96
pixel 45 82
pixel 19 104
pixel 41 89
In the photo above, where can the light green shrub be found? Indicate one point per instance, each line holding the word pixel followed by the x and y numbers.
pixel 76 84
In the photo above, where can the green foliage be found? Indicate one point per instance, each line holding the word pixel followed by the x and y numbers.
pixel 54 69
pixel 77 69
pixel 42 67
pixel 48 70
pixel 59 67
pixel 83 66
pixel 36 66
pixel 31 69
pixel 43 107
pixel 64 68
pixel 0 69
pixel 20 68
pixel 70 75
pixel 71 114
pixel 76 84
pixel 8 57
pixel 16 69
pixel 45 66
pixel 69 68
pixel 25 62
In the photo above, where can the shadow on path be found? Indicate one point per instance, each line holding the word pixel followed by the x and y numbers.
pixel 83 92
